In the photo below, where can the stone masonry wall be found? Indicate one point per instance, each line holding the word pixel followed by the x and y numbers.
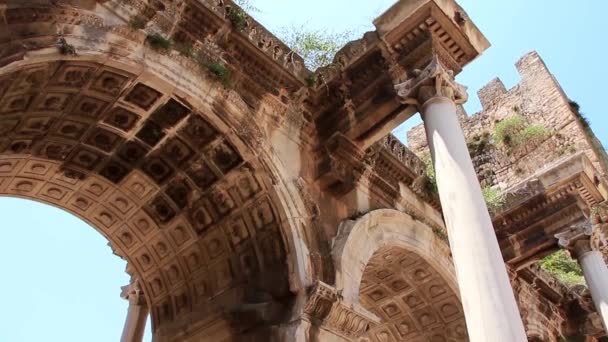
pixel 539 100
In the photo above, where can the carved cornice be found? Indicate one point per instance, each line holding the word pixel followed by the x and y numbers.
pixel 551 202
pixel 394 163
pixel 325 307
pixel 434 81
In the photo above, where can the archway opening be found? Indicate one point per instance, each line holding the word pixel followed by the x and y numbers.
pixel 62 282
pixel 412 299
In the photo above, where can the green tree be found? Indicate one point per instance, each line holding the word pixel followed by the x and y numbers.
pixel 316 47
pixel 563 267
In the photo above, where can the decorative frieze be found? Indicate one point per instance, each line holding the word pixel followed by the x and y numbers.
pixel 325 308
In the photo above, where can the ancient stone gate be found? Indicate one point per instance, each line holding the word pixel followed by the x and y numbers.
pixel 255 200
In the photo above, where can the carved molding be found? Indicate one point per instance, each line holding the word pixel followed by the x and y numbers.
pixel 434 81
pixel 320 300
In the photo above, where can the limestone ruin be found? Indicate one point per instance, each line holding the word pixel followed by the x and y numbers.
pixel 256 200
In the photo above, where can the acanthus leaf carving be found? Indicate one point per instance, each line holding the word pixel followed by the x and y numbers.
pixel 326 307
pixel 133 293
pixel 320 301
pixel 433 81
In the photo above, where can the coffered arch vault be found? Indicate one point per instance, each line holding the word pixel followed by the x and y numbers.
pixel 400 270
pixel 155 170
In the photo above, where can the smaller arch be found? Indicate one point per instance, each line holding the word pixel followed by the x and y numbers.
pixel 357 241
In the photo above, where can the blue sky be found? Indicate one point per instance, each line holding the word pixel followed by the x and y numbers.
pixel 61 281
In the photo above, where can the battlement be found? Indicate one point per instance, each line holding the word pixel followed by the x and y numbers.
pixel 537 101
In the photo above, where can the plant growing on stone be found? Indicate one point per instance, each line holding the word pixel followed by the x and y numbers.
pixel 238 15
pixel 137 23
pixel 316 47
pixel 513 132
pixel 311 80
pixel 238 18
pixel 494 197
pixel 478 143
pixel 563 267
pixel 65 48
pixel 158 42
pixel 441 233
pixel 220 71
pixel 505 131
pixel 576 109
pixel 532 134
pixel 431 185
pixel 185 49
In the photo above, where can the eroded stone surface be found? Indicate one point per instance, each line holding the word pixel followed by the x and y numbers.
pixel 231 201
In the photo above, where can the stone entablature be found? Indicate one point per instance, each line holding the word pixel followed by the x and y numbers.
pixel 547 204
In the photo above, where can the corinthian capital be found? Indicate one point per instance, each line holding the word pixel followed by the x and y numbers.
pixel 434 81
pixel 326 307
pixel 133 293
pixel 599 220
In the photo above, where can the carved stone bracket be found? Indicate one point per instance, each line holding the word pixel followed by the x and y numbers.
pixel 434 81
pixel 340 163
pixel 326 308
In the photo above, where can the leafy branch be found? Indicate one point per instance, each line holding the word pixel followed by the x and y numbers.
pixel 563 267
pixel 316 47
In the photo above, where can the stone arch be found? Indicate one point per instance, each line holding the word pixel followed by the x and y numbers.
pixel 357 242
pixel 397 268
pixel 153 155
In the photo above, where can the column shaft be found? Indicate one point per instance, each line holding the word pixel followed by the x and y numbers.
pixel 135 324
pixel 487 296
pixel 596 275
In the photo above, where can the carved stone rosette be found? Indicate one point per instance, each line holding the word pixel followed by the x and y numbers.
pixel 325 307
pixel 434 81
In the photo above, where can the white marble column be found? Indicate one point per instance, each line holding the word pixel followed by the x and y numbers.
pixel 137 314
pixel 596 275
pixel 489 304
